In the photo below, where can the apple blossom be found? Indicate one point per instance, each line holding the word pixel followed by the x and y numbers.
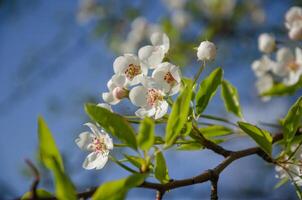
pixel 263 65
pixel 98 142
pixel 206 51
pixel 150 97
pixel 293 22
pixel 266 43
pixel 169 76
pixel 289 65
pixel 263 84
pixel 130 66
pixel 117 86
pixel 152 55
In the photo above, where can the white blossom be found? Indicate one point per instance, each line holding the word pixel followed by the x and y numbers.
pixel 180 18
pixel 263 84
pixel 266 43
pixel 293 22
pixel 117 86
pixel 98 142
pixel 169 77
pixel 263 65
pixel 206 51
pixel 130 66
pixel 152 55
pixel 289 65
pixel 150 98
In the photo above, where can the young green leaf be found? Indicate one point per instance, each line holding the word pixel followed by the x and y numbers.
pixel 51 158
pixel 136 161
pixel 230 97
pixel 190 147
pixel 179 114
pixel 113 123
pixel 207 90
pixel 260 136
pixel 161 170
pixel 281 183
pixel 114 190
pixel 145 137
pixel 215 130
pixel 41 193
pixel 47 147
pixel 292 120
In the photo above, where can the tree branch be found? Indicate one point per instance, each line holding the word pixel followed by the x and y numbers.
pixel 35 171
pixel 209 175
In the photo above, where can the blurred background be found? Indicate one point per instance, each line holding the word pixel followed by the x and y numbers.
pixel 57 55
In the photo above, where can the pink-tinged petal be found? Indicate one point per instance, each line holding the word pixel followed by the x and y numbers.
pixel 161 110
pixel 119 80
pixel 109 98
pixel 83 140
pixel 138 96
pixel 95 160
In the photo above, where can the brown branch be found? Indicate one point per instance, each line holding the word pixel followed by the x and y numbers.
pixel 35 171
pixel 209 175
pixel 209 144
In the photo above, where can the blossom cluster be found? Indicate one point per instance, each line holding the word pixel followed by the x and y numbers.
pixel 279 63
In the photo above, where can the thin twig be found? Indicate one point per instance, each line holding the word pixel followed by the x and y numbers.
pixel 35 171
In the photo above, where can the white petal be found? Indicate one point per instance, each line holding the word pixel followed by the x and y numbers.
pixel 109 98
pixel 285 55
pixel 119 64
pixel 145 112
pixel 160 39
pixel 161 110
pixel 83 140
pixel 95 160
pixel 137 96
pixel 151 56
pixel 93 128
pixel 119 80
pixel 108 141
pixel 298 56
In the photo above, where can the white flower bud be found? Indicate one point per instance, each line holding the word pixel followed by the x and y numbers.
pixel 206 51
pixel 266 43
pixel 295 33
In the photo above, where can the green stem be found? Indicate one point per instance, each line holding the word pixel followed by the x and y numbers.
pixel 199 72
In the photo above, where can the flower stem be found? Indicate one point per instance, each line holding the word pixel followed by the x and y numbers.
pixel 199 72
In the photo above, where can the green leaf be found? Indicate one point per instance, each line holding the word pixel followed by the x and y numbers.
pixel 207 90
pixel 113 123
pixel 281 183
pixel 280 89
pixel 136 161
pixel 179 114
pixel 161 170
pixel 260 136
pixel 41 193
pixel 292 120
pixel 115 190
pixel 145 137
pixel 230 97
pixel 190 147
pixel 47 147
pixel 215 130
pixel 51 158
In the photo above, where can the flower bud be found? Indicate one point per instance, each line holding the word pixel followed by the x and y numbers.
pixel 295 33
pixel 119 93
pixel 266 43
pixel 206 51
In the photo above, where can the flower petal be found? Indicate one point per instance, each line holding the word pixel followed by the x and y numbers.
pixel 160 39
pixel 83 140
pixel 144 112
pixel 95 160
pixel 161 110
pixel 109 98
pixel 137 96
pixel 93 128
pixel 284 55
pixel 151 56
pixel 105 105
